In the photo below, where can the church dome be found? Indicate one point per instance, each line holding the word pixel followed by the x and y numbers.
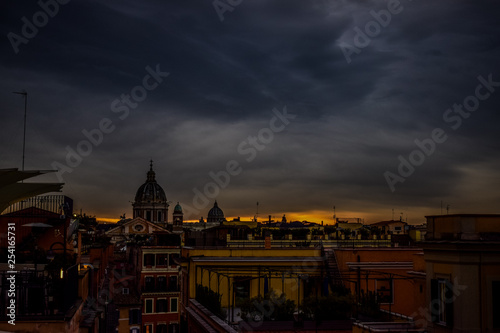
pixel 215 214
pixel 178 208
pixel 150 191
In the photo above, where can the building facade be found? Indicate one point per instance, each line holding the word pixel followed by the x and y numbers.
pixel 462 256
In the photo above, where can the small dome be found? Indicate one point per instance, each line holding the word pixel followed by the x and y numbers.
pixel 215 214
pixel 150 191
pixel 178 208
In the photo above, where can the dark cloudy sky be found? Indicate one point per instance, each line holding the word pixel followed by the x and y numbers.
pixel 353 117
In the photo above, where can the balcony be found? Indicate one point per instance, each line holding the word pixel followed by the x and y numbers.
pixel 160 290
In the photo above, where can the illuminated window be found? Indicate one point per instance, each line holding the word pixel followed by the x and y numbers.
pixel 148 328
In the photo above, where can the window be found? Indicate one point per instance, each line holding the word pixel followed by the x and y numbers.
pixel 161 305
pixel 148 328
pixel 173 328
pixel 384 291
pixel 159 217
pixel 442 302
pixel 161 328
pixel 148 216
pixel 134 317
pixel 173 304
pixel 149 259
pixel 162 283
pixel 495 293
pixel 162 260
pixel 134 330
pixel 148 305
pixel 172 283
pixel 171 259
pixel 125 291
pixel 149 283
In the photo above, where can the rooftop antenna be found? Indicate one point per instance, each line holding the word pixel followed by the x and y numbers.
pixel 25 94
pixel 447 209
pixel 257 213
pixel 334 215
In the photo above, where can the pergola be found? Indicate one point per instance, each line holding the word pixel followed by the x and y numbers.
pixel 261 268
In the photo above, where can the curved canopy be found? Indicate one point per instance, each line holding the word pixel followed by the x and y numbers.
pixel 11 191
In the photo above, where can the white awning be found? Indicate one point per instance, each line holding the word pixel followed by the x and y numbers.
pixel 11 191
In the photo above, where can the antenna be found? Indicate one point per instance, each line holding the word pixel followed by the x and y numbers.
pixel 334 215
pixel 257 213
pixel 25 94
pixel 447 209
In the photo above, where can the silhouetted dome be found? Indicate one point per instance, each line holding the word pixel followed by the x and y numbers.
pixel 177 208
pixel 215 214
pixel 150 191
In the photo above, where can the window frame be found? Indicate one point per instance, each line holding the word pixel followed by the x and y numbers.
pixel 149 283
pixel 442 296
pixel 166 305
pixel 176 305
pixel 146 305
pixel 150 325
pixel 138 317
pixel 145 262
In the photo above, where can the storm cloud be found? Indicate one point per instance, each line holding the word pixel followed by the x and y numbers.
pixel 353 119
